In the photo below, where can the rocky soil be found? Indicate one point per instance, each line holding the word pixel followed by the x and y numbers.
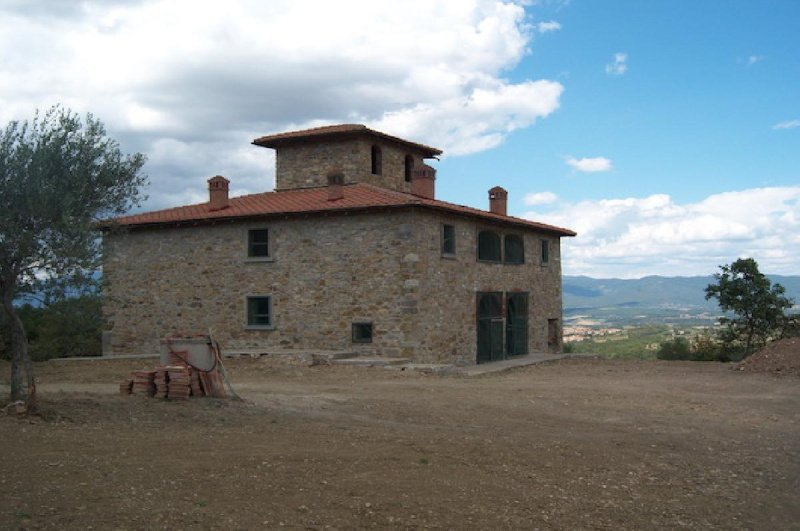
pixel 779 357
pixel 580 444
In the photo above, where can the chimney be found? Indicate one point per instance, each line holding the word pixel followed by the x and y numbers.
pixel 335 184
pixel 218 193
pixel 423 181
pixel 498 201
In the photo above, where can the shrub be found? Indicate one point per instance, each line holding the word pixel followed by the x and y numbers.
pixel 701 348
pixel 675 349
pixel 69 327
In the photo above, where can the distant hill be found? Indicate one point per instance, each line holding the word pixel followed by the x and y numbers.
pixel 648 296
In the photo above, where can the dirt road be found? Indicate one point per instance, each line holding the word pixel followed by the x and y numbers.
pixel 570 445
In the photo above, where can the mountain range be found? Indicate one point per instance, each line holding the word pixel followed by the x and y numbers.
pixel 622 301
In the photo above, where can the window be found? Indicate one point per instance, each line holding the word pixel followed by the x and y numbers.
pixel 377 161
pixel 362 332
pixel 488 246
pixel 259 311
pixel 258 243
pixel 409 167
pixel 448 239
pixel 545 252
pixel 514 249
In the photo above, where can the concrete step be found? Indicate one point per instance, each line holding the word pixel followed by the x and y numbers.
pixel 368 361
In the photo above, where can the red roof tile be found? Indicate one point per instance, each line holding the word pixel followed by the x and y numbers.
pixel 292 137
pixel 357 197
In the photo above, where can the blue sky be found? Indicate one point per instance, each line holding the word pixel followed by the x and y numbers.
pixel 666 133
pixel 692 115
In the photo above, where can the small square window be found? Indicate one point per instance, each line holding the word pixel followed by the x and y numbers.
pixel 362 332
pixel 545 252
pixel 258 243
pixel 259 311
pixel 448 239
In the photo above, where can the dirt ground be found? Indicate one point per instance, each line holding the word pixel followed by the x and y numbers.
pixel 580 444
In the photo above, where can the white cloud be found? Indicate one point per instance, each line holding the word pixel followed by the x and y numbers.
pixel 540 198
pixel 654 235
pixel 207 77
pixel 789 124
pixel 619 65
pixel 589 165
pixel 544 27
pixel 753 59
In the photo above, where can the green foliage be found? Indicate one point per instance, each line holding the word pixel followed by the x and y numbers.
pixel 700 348
pixel 67 328
pixel 675 349
pixel 58 175
pixel 758 307
pixel 637 343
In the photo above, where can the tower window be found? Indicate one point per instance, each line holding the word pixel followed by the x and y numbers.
pixel 377 161
pixel 409 167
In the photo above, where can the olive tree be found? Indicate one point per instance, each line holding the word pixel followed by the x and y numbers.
pixel 59 174
pixel 757 305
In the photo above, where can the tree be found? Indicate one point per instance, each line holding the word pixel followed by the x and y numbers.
pixel 757 305
pixel 58 176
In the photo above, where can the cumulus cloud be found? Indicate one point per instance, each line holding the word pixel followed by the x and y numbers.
pixel 191 83
pixel 589 164
pixel 619 65
pixel 544 27
pixel 633 237
pixel 789 124
pixel 540 198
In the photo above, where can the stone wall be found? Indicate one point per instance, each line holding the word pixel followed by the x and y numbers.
pixel 324 273
pixel 449 327
pixel 307 165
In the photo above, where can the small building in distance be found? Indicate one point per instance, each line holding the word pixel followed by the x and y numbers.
pixel 351 252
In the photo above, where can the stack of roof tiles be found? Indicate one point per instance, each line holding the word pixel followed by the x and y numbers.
pixel 143 383
pixel 161 382
pixel 177 381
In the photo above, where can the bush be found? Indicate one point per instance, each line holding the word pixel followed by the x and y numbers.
pixel 69 327
pixel 700 348
pixel 675 349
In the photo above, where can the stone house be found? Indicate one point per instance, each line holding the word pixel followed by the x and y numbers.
pixel 352 251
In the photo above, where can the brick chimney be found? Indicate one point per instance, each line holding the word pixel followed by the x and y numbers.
pixel 218 193
pixel 423 180
pixel 498 201
pixel 335 184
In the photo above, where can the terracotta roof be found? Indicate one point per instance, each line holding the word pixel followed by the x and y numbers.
pixel 342 130
pixel 357 197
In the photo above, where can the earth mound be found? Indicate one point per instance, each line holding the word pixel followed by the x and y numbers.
pixel 779 357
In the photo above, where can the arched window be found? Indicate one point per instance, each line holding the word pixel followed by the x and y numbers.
pixel 514 249
pixel 488 246
pixel 377 161
pixel 409 167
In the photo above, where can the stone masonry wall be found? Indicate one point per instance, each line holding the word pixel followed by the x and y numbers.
pixel 447 319
pixel 307 165
pixel 325 274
